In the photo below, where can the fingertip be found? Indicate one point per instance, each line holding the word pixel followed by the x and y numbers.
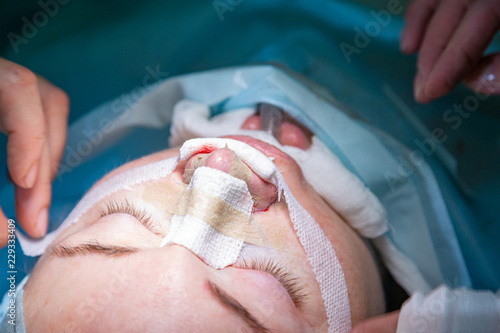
pixel 406 44
pixel 419 89
pixel 32 210
pixel 426 95
pixel 485 77
pixel 423 96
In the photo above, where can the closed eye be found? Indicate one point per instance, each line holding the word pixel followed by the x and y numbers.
pixel 123 206
pixel 290 282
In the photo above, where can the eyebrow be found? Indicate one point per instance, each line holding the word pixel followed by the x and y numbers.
pixel 93 247
pixel 236 306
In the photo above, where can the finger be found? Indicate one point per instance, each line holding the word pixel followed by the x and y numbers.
pixel 387 323
pixel 21 118
pixel 55 104
pixel 4 232
pixel 465 49
pixel 32 205
pixel 440 30
pixel 416 18
pixel 485 76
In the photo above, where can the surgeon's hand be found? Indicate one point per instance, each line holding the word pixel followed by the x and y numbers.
pixel 33 114
pixel 387 323
pixel 451 37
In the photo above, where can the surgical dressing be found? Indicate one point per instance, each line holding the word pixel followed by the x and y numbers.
pixel 158 195
pixel 216 213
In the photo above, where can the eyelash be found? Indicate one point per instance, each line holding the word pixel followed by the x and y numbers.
pixel 126 207
pixel 291 284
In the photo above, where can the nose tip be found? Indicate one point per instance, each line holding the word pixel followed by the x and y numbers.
pixel 225 160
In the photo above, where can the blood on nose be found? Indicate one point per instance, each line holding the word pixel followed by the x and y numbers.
pixel 225 160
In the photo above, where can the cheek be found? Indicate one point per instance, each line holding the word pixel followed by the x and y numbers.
pixel 272 228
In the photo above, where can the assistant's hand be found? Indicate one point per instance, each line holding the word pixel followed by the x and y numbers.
pixel 451 37
pixel 34 115
pixel 387 323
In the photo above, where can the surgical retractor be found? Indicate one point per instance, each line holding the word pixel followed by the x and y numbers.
pixel 271 118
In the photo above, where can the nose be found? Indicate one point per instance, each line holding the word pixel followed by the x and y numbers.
pixel 225 160
pixel 179 257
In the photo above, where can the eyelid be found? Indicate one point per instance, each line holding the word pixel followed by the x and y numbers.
pixel 123 206
pixel 290 282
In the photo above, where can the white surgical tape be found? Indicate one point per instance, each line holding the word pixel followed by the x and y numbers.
pixel 206 241
pixel 323 170
pixel 35 247
pixel 202 237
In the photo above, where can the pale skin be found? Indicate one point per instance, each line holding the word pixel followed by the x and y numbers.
pixel 155 288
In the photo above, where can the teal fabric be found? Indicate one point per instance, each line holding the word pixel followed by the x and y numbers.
pixel 99 50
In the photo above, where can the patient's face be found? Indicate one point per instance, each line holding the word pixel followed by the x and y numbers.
pixel 108 273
